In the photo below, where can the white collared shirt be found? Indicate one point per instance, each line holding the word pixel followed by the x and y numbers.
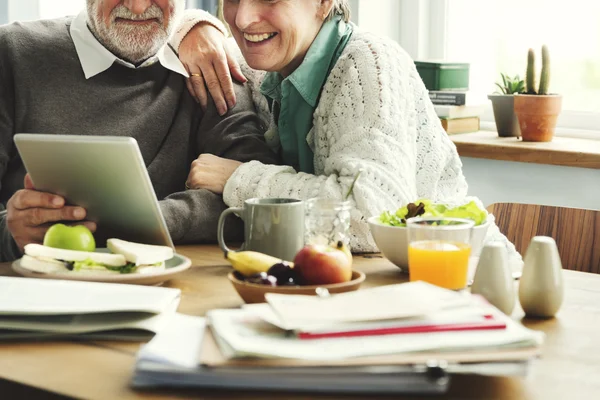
pixel 95 58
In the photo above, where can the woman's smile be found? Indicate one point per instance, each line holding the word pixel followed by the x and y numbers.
pixel 258 39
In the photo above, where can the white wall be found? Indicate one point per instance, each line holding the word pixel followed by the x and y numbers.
pixel 507 181
pixel 23 10
pixel 3 12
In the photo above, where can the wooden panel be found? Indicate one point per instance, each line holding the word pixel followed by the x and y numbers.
pixel 564 151
pixel 576 231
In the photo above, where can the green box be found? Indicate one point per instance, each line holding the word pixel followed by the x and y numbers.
pixel 444 75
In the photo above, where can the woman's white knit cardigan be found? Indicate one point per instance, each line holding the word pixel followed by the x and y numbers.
pixel 374 113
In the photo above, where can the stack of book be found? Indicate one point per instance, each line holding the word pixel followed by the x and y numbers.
pixel 459 118
pixel 50 309
pixel 374 340
pixel 448 97
pixel 458 110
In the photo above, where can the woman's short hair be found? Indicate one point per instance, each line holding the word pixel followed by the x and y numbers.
pixel 340 7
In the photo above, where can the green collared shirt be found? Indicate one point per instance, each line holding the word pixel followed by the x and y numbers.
pixel 293 100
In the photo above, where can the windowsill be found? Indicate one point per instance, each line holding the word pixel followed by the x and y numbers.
pixel 564 151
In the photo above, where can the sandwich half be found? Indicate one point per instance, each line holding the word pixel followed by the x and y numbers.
pixel 126 257
pixel 47 259
pixel 143 256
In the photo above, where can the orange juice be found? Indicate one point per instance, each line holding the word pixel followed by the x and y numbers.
pixel 441 263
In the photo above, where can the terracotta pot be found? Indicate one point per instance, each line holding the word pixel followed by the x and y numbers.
pixel 537 116
pixel 507 124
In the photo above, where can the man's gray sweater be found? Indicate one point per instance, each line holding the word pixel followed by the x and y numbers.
pixel 43 90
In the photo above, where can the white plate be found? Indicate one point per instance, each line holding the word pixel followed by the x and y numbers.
pixel 173 266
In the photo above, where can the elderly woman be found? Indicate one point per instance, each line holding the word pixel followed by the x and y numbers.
pixel 334 100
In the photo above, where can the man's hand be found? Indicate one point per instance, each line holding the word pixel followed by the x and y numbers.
pixel 206 55
pixel 31 213
pixel 211 172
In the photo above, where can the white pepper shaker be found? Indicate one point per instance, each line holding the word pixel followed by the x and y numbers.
pixel 493 278
pixel 541 289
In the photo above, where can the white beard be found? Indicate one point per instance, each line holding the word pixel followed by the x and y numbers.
pixel 132 42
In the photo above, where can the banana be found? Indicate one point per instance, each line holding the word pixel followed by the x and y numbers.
pixel 251 262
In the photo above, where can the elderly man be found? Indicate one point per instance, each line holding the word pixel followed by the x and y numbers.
pixel 110 71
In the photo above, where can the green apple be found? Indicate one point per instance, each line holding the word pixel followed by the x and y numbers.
pixel 76 237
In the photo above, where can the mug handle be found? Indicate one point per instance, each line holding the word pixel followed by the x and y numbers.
pixel 221 226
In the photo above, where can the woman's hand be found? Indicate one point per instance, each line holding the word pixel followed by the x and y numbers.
pixel 211 172
pixel 206 55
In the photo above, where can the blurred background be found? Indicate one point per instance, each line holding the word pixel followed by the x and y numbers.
pixel 492 35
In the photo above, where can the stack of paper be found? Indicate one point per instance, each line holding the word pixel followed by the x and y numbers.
pixel 39 308
pixel 395 319
pixel 262 346
pixel 186 355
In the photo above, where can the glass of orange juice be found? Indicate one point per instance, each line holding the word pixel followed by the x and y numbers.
pixel 438 250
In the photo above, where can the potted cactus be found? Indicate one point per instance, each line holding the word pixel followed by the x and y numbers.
pixel 537 111
pixel 503 104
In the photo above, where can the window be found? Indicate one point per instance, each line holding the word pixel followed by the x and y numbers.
pixel 494 36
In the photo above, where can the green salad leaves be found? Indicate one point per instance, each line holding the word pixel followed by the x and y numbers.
pixel 425 208
pixel 91 264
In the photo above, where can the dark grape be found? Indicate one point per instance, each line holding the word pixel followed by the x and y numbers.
pixel 262 279
pixel 283 272
pixel 289 282
pixel 239 276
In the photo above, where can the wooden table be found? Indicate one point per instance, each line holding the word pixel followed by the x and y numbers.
pixel 569 368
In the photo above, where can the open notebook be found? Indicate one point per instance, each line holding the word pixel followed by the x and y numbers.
pixel 40 308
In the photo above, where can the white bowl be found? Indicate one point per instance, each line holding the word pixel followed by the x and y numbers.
pixel 392 241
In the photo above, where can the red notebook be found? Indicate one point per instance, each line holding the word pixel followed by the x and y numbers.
pixel 486 322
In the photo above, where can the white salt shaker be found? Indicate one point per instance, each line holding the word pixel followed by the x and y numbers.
pixel 541 288
pixel 493 278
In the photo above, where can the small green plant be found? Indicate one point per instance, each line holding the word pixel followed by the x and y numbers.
pixel 544 74
pixel 511 85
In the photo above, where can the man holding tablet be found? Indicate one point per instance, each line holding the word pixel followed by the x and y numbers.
pixel 110 71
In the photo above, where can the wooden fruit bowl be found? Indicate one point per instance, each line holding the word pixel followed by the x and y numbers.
pixel 255 293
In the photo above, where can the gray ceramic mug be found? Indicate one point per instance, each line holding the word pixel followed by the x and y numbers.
pixel 271 226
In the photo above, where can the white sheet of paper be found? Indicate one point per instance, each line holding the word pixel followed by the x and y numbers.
pixel 26 296
pixel 471 314
pixel 88 323
pixel 380 303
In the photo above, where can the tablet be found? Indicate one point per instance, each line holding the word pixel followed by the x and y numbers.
pixel 104 174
